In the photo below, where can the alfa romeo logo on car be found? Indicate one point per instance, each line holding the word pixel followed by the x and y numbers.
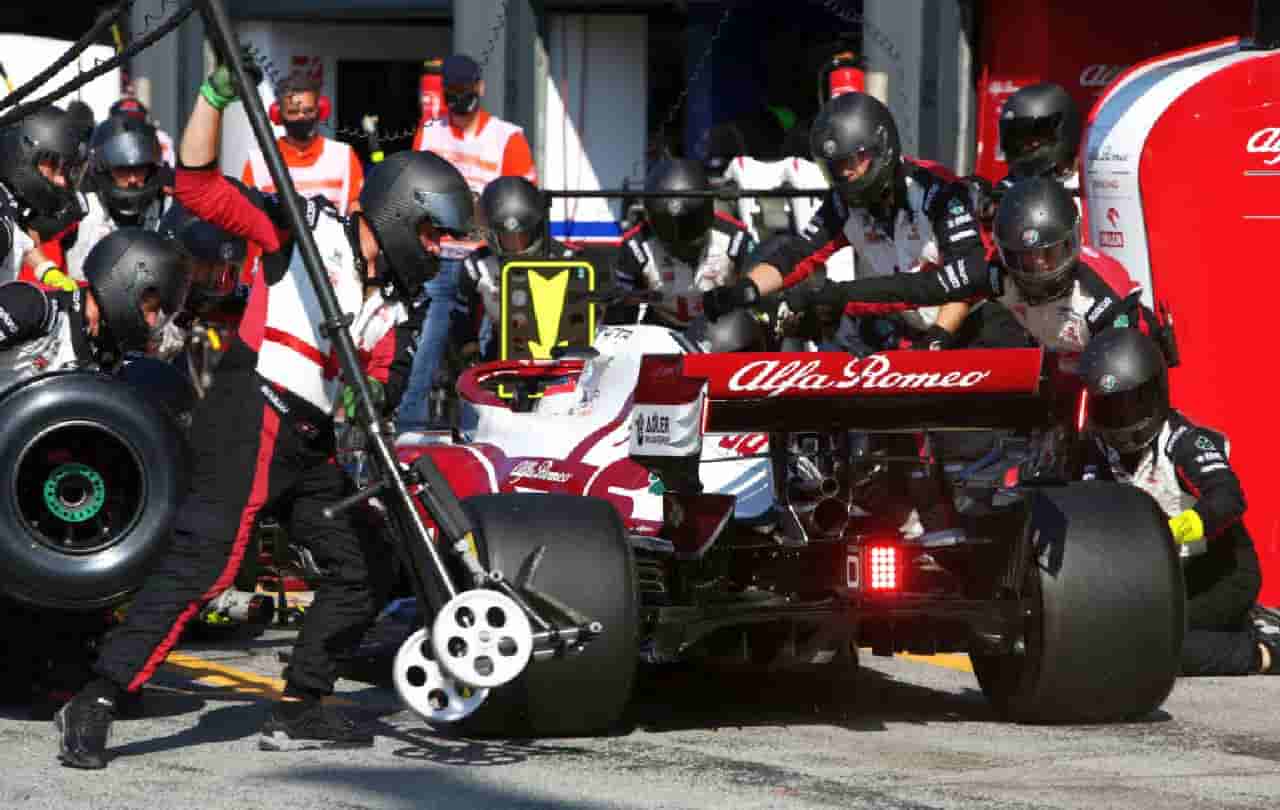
pixel 676 207
pixel 1030 237
pixel 512 224
pixel 829 147
pixel 1108 383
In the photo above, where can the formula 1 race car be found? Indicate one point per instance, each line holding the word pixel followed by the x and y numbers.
pixel 915 501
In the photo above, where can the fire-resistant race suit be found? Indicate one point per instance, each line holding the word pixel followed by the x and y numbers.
pixel 1101 295
pixel 40 330
pixel 265 430
pixel 645 263
pixel 931 226
pixel 1187 467
pixel 477 305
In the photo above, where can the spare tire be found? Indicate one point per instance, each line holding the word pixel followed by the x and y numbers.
pixel 95 472
pixel 1106 641
pixel 589 567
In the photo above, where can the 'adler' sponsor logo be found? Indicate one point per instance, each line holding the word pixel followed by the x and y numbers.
pixel 1266 141
pixel 539 471
pixel 1100 75
pixel 1111 239
pixel 774 377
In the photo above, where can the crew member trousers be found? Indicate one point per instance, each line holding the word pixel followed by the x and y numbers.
pixel 252 446
pixel 1222 585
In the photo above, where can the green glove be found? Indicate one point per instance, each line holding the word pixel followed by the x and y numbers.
pixel 220 88
pixel 349 407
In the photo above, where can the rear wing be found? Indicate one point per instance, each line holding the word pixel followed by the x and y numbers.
pixel 962 389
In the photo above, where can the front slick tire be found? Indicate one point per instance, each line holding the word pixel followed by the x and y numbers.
pixel 1106 642
pixel 588 567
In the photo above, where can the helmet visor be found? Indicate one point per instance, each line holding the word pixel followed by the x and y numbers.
pixel 1041 270
pixel 852 167
pixel 513 241
pixel 449 212
pixel 1124 410
pixel 1021 137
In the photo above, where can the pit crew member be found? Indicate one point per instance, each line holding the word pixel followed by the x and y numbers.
pixel 41 159
pixel 1060 292
pixel 900 217
pixel 1139 439
pixel 124 184
pixel 136 281
pixel 682 248
pixel 1040 131
pixel 265 430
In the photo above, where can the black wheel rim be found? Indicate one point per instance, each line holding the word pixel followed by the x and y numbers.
pixel 78 488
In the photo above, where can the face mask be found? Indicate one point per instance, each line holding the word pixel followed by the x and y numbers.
pixel 302 129
pixel 462 103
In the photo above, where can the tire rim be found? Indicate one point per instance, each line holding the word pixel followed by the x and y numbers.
pixel 78 488
pixel 74 493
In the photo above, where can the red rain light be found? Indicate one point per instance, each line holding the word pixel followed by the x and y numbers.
pixel 884 568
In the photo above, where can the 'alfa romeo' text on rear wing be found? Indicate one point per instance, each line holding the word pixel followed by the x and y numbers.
pixel 893 391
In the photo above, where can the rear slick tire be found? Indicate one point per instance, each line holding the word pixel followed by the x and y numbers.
pixel 1106 642
pixel 94 475
pixel 589 567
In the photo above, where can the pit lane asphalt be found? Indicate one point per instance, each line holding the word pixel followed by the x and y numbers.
pixel 907 733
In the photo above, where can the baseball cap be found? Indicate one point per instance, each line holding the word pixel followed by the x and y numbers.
pixel 460 69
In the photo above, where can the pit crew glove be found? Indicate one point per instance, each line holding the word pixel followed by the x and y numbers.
pixel 376 390
pixel 806 296
pixel 723 300
pixel 1187 527
pixel 220 88
pixel 935 339
pixel 53 276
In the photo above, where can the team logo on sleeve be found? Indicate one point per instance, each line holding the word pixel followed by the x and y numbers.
pixel 1204 443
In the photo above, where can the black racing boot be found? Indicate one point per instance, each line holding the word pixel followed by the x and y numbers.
pixel 1267 633
pixel 310 724
pixel 84 726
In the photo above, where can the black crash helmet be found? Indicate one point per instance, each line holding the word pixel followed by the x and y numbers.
pixel 46 136
pixel 515 216
pixel 857 129
pixel 399 194
pixel 1040 130
pixel 124 143
pixel 680 223
pixel 1037 232
pixel 1127 381
pixel 131 272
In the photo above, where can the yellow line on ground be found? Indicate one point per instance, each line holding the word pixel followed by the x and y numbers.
pixel 958 661
pixel 211 673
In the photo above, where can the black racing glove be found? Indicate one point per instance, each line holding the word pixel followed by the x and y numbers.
pixel 806 297
pixel 723 300
pixel 934 338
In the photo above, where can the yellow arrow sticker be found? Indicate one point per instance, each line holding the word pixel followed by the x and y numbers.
pixel 548 296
